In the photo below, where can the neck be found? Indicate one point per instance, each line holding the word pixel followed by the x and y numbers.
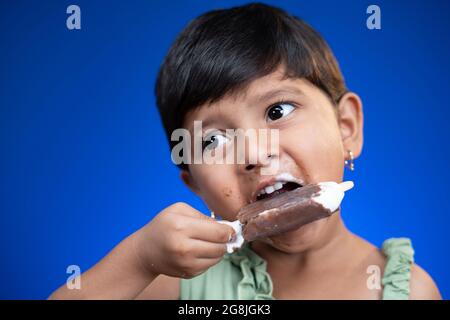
pixel 327 250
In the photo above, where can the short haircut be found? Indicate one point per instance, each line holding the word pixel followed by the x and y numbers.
pixel 222 51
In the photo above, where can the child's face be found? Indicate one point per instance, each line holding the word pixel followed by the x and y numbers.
pixel 313 143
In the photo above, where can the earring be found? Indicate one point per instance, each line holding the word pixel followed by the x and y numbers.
pixel 213 215
pixel 350 164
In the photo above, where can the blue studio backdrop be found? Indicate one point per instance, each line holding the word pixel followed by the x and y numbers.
pixel 84 158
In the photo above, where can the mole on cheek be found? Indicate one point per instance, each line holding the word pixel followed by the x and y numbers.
pixel 227 192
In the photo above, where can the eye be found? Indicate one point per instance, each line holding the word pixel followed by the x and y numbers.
pixel 213 141
pixel 279 110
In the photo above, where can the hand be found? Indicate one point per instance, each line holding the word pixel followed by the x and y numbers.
pixel 182 242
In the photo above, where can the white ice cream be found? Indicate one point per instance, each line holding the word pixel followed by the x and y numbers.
pixel 331 194
pixel 239 239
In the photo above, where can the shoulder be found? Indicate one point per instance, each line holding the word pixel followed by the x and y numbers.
pixel 422 286
pixel 162 288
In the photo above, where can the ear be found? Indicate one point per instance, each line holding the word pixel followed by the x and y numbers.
pixel 350 119
pixel 188 180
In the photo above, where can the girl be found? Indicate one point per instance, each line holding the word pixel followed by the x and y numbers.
pixel 256 67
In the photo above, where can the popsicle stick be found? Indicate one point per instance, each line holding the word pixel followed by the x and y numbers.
pixel 346 185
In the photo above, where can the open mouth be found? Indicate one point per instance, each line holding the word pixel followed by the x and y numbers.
pixel 276 189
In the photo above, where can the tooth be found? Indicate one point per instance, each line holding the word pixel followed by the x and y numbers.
pixel 269 189
pixel 261 192
pixel 278 185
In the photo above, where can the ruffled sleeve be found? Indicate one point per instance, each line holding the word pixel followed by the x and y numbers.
pixel 397 272
pixel 240 275
pixel 256 283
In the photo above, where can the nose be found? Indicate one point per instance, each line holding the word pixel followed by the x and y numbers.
pixel 260 163
pixel 262 160
pixel 260 153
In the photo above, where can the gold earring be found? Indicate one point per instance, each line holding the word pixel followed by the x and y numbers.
pixel 350 164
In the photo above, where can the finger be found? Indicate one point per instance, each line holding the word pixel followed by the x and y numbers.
pixel 211 231
pixel 186 210
pixel 204 249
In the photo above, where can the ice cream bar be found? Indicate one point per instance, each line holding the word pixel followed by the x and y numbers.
pixel 287 211
pixel 291 210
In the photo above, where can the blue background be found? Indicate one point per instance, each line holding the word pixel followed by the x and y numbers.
pixel 84 159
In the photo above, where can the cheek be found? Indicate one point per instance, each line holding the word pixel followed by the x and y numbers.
pixel 219 189
pixel 316 148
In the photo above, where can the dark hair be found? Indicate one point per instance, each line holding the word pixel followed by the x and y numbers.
pixel 222 51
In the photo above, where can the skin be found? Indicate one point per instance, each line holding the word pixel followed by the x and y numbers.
pixel 328 261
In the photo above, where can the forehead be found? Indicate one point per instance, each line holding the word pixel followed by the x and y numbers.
pixel 264 88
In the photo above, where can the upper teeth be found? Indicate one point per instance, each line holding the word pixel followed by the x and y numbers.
pixel 269 189
pixel 280 180
pixel 278 185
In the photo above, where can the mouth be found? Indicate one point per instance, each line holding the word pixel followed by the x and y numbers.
pixel 281 184
pixel 276 189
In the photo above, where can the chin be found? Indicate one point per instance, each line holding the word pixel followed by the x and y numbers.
pixel 301 239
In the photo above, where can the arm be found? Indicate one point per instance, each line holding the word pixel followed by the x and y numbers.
pixel 180 242
pixel 120 275
pixel 162 288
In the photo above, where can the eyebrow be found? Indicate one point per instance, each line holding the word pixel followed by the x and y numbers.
pixel 209 122
pixel 276 92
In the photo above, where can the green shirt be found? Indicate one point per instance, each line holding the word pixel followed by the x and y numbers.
pixel 242 275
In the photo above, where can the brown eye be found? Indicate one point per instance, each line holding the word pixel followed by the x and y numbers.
pixel 278 111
